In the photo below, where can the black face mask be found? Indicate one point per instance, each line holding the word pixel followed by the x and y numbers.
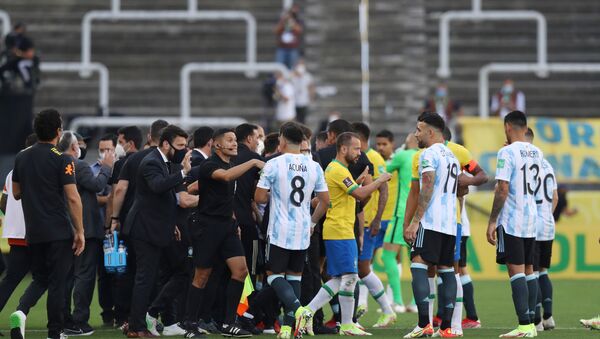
pixel 178 154
pixel 83 153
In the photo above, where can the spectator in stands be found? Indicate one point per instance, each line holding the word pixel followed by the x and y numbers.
pixel 286 102
pixel 289 36
pixel 19 78
pixel 508 99
pixel 441 103
pixel 304 90
pixel 12 39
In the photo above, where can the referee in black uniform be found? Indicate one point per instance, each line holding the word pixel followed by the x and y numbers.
pixel 216 234
pixel 44 179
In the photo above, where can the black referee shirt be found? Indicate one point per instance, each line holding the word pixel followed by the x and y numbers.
pixel 216 196
pixel 41 172
pixel 329 153
pixel 245 187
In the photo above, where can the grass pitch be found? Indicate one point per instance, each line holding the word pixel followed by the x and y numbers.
pixel 573 299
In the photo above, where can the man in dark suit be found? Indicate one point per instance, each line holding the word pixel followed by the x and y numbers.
pixel 202 145
pixel 153 217
pixel 81 283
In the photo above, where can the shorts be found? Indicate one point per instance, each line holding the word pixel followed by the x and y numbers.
pixel 542 254
pixel 214 240
pixel 435 248
pixel 458 242
pixel 342 257
pixel 513 250
pixel 282 260
pixel 462 262
pixel 395 232
pixel 370 244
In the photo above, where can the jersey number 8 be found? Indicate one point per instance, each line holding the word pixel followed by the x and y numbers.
pixel 297 192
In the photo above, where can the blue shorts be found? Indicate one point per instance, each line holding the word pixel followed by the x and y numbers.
pixel 370 244
pixel 342 257
pixel 458 240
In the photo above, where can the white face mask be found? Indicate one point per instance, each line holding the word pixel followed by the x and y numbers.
pixel 119 151
pixel 300 69
pixel 260 147
pixel 78 152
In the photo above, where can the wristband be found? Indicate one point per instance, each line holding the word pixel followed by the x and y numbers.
pixel 114 218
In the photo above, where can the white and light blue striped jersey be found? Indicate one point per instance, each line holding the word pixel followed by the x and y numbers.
pixel 545 219
pixel 520 164
pixel 291 178
pixel 440 215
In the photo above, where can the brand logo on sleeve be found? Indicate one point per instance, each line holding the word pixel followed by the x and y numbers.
pixel 500 163
pixel 348 182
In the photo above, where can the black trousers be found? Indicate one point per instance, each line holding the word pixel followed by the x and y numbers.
pixel 106 292
pixel 175 275
pixel 311 277
pixel 147 257
pixel 50 265
pixel 84 281
pixel 123 284
pixel 19 263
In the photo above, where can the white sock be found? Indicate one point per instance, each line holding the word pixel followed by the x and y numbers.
pixel 346 297
pixel 327 291
pixel 389 293
pixel 375 287
pixel 458 307
pixel 432 286
pixel 364 293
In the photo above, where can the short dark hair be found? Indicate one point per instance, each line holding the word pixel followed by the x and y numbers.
pixel 202 136
pixel 244 130
pixel 24 44
pixel 516 118
pixel 432 119
pixel 31 140
pixel 222 131
pixel 362 130
pixel 156 129
pixel 292 132
pixel 447 133
pixel 110 137
pixel 305 131
pixel 46 124
pixel 271 143
pixel 344 139
pixel 321 136
pixel 529 133
pixel 386 134
pixel 131 133
pixel 171 132
pixel 339 126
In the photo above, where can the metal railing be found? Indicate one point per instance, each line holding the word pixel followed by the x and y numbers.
pixel 147 121
pixel 103 78
pixel 217 67
pixel 191 14
pixel 476 14
pixel 363 23
pixel 485 71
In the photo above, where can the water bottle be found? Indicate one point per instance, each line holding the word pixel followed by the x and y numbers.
pixel 106 246
pixel 121 247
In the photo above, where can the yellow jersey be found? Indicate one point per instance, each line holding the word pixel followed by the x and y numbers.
pixel 378 167
pixel 467 163
pixel 341 214
pixel 390 205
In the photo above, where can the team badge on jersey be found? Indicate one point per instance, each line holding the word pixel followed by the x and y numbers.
pixel 69 169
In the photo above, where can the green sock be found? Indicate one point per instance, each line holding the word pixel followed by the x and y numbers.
pixel 391 269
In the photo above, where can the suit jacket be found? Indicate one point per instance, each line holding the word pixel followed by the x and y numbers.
pixel 88 186
pixel 154 212
pixel 197 158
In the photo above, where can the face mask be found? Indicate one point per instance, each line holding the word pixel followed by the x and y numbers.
pixel 260 147
pixel 300 69
pixel 119 151
pixel 441 92
pixel 78 155
pixel 307 154
pixel 178 155
pixel 507 89
pixel 82 153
